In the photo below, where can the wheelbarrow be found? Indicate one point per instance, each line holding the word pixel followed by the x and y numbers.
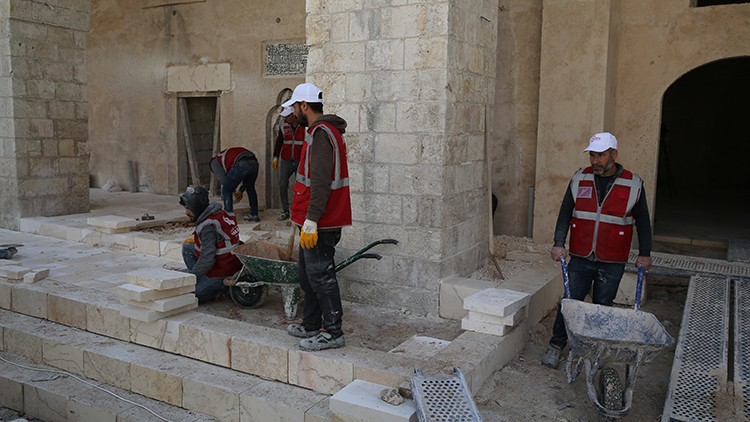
pixel 598 334
pixel 265 264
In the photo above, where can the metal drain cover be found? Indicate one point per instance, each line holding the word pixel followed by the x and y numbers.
pixel 443 399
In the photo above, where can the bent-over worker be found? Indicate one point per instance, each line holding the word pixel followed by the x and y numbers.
pixel 233 166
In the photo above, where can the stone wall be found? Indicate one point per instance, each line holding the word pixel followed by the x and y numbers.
pixel 412 81
pixel 44 110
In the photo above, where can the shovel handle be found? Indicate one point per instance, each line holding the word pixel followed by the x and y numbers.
pixel 566 281
pixel 639 287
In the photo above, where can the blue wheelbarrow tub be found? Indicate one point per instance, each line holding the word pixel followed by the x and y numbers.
pixel 619 332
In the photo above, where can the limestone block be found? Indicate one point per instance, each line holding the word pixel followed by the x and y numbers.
pixel 324 372
pixel 103 317
pixel 134 292
pixel 159 376
pixel 109 363
pixel 207 338
pixel 159 278
pixel 216 391
pixel 5 295
pixel 498 302
pixel 420 347
pixel 381 367
pixel 112 222
pixel 484 327
pixel 201 77
pixel 119 239
pixel 453 291
pixel 321 412
pixel 163 305
pixel 147 243
pixel 77 234
pixel 162 334
pixel 14 272
pixel 43 401
pixel 19 341
pixel 361 400
pixel 63 355
pixel 495 352
pixel 275 401
pixel 68 307
pixel 51 229
pixel 149 315
pixel 626 291
pixel 36 275
pixel 31 225
pixel 29 301
pixel 263 352
pixel 510 320
pixel 11 390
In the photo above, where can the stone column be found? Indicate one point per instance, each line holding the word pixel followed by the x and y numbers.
pixel 413 81
pixel 43 109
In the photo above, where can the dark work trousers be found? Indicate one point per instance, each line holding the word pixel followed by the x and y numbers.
pixel 286 170
pixel 582 273
pixel 244 172
pixel 206 288
pixel 317 278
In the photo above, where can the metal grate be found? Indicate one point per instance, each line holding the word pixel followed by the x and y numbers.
pixel 443 399
pixel 700 361
pixel 742 343
pixel 698 265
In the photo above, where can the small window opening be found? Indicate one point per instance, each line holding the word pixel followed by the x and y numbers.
pixel 703 3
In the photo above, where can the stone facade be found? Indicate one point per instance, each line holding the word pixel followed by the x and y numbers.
pixel 412 80
pixel 44 109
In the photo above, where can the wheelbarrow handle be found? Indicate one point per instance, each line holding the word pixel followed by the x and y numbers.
pixel 566 281
pixel 376 243
pixel 356 257
pixel 639 287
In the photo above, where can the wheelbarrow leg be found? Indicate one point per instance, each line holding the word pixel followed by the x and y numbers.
pixel 290 296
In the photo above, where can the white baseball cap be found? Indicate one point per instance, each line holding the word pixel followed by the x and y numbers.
pixel 306 92
pixel 286 111
pixel 602 142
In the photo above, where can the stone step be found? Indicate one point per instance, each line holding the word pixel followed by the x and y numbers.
pixel 175 380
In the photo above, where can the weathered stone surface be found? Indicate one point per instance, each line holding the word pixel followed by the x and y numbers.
pixel 498 302
pixel 362 400
pixel 159 278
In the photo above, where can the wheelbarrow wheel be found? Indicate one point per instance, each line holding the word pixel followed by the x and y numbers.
pixel 248 297
pixel 610 392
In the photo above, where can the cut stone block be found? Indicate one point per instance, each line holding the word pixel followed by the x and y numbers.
pixel 149 315
pixel 454 290
pixel 112 222
pixel 14 272
pixel 326 373
pixel 164 305
pixel 141 294
pixel 34 276
pixel 484 327
pixel 626 290
pixel 498 302
pixel 29 300
pixel 420 347
pixel 159 278
pixel 361 400
pixel 511 320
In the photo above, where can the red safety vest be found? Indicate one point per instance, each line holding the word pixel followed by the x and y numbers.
pixel 226 228
pixel 338 211
pixel 293 141
pixel 229 156
pixel 605 230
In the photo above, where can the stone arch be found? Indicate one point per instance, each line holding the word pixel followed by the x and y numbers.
pixel 701 181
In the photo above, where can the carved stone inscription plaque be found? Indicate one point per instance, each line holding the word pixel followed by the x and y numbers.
pixel 286 59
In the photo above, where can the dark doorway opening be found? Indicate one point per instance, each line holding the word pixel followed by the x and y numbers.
pixel 201 118
pixel 703 187
pixel 703 3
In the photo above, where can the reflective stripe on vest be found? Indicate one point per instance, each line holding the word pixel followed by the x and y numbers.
pixel 304 176
pixel 229 156
pixel 226 239
pixel 635 191
pixel 289 146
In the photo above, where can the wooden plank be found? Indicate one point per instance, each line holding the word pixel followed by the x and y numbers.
pixel 214 183
pixel 186 134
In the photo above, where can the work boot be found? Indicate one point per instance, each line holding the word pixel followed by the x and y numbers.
pixel 551 357
pixel 283 216
pixel 252 218
pixel 299 330
pixel 324 340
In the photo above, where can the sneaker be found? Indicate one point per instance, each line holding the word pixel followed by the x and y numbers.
pixel 283 216
pixel 551 357
pixel 324 340
pixel 251 217
pixel 299 330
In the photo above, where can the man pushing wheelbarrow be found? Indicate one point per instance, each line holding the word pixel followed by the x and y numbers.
pixel 600 206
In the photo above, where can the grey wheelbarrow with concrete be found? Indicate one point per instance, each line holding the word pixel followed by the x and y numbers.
pixel 265 263
pixel 599 334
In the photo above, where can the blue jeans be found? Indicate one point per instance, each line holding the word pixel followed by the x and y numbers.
pixel 286 170
pixel 582 273
pixel 243 172
pixel 317 278
pixel 206 288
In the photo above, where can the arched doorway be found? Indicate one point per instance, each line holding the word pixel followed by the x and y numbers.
pixel 703 185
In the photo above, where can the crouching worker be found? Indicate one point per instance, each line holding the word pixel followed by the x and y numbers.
pixel 207 254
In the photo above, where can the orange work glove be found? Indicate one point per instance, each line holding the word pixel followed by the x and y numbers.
pixel 237 196
pixel 189 240
pixel 308 237
pixel 275 163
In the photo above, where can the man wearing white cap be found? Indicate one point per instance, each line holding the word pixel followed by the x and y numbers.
pixel 321 207
pixel 600 205
pixel 288 147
